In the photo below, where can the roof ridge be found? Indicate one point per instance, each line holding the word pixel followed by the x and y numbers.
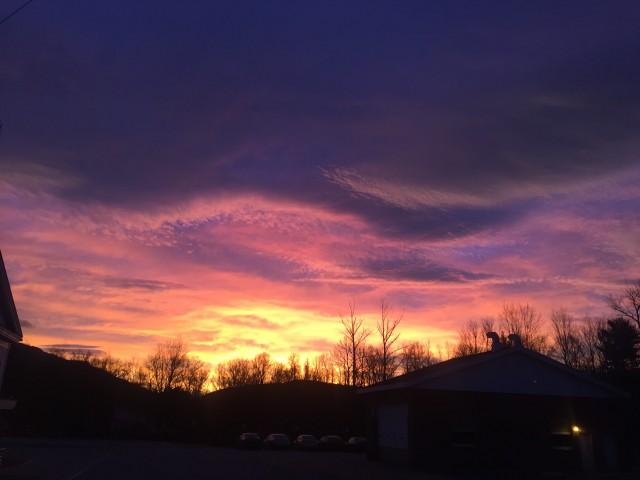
pixel 458 364
pixel 436 366
pixel 577 373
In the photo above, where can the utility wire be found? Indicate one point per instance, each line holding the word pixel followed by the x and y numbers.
pixel 5 19
pixel 15 11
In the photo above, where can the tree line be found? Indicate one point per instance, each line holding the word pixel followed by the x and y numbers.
pixel 353 361
pixel 594 345
pixel 365 356
pixel 169 368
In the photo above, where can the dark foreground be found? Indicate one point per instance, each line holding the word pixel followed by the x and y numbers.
pixel 82 460
pixel 100 460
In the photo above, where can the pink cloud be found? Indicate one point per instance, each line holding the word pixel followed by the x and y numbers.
pixel 237 274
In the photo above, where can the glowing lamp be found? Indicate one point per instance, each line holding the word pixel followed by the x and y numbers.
pixel 576 429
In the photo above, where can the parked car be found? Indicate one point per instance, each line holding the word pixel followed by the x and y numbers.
pixel 277 440
pixel 249 440
pixel 331 442
pixel 306 442
pixel 357 444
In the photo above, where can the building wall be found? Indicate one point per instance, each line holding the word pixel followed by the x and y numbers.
pixel 463 430
pixel 474 431
pixel 392 426
pixel 4 354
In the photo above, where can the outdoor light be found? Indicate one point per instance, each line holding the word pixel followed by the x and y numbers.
pixel 576 430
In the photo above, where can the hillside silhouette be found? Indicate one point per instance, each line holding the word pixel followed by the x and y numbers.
pixel 70 398
pixel 57 397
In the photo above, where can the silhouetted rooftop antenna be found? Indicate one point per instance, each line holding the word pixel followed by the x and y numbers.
pixel 495 341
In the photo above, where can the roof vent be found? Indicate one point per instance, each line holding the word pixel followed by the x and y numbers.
pixel 495 341
pixel 515 340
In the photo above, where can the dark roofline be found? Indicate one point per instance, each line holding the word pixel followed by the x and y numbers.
pixel 14 331
pixel 407 380
pixel 577 373
pixel 410 380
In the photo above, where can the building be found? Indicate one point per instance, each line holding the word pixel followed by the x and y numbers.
pixel 509 408
pixel 10 331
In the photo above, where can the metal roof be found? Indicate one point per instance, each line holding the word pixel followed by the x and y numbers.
pixel 507 370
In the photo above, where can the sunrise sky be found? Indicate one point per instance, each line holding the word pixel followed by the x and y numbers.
pixel 237 172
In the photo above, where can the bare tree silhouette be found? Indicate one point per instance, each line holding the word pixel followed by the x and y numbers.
pixel 628 304
pixel 567 338
pixel 386 327
pixel 416 355
pixel 167 365
pixel 170 367
pixel 353 340
pixel 526 322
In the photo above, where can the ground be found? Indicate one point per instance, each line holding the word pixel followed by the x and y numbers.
pixel 96 460
pixel 102 460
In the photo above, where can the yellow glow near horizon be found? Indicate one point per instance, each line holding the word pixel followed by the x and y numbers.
pixel 249 329
pixel 246 330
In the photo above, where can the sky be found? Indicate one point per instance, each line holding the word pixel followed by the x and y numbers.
pixel 235 173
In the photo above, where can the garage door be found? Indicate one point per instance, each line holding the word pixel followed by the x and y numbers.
pixel 392 426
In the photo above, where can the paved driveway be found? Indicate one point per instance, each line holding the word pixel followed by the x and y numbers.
pixel 83 460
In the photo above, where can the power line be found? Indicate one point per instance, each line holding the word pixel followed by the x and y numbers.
pixel 15 11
